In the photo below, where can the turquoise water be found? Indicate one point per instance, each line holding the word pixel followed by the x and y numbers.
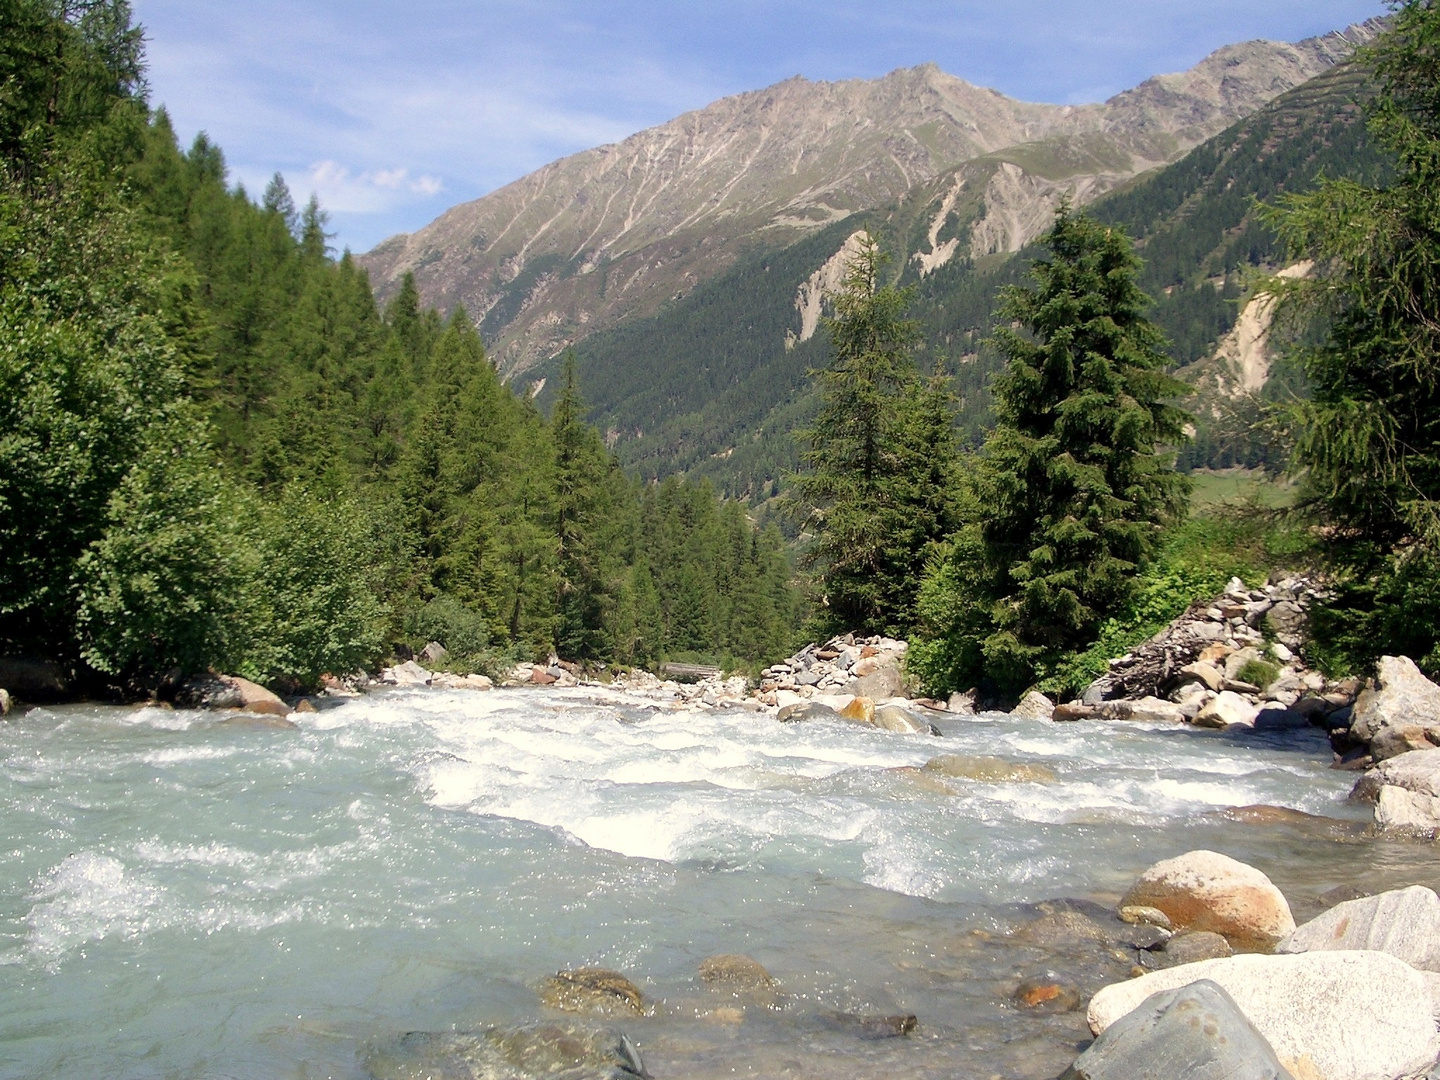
pixel 182 897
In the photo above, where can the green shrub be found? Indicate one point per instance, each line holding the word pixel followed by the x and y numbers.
pixel 163 586
pixel 1259 673
pixel 310 606
pixel 445 619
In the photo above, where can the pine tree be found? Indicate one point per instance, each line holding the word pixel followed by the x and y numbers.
pixel 1367 442
pixel 1073 487
pixel 877 458
pixel 580 505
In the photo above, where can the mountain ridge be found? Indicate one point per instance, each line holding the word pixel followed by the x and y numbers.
pixel 601 236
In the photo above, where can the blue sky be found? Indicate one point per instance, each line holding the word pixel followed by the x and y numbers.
pixel 393 112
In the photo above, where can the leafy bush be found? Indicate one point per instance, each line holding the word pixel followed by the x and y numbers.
pixel 445 619
pixel 1394 611
pixel 310 607
pixel 161 588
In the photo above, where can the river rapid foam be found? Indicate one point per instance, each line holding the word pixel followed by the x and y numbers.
pixel 181 897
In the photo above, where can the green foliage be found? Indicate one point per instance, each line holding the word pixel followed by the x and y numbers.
pixel 1367 441
pixel 876 482
pixel 1259 673
pixel 310 605
pixel 88 370
pixel 162 587
pixel 1071 491
pixel 216 451
pixel 444 619
pixel 1193 565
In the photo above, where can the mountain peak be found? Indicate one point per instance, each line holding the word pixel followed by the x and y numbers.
pixel 616 231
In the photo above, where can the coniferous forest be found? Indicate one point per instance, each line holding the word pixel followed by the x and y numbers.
pixel 216 451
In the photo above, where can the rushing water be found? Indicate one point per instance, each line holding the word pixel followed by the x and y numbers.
pixel 182 897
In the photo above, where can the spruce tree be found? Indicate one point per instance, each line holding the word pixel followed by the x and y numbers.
pixel 1074 486
pixel 876 459
pixel 1367 442
pixel 580 506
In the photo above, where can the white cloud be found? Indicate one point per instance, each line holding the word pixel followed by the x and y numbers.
pixel 342 190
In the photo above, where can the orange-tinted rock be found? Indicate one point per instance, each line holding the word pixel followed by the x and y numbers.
pixel 1204 890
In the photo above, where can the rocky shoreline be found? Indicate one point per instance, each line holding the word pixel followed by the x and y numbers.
pixel 1222 984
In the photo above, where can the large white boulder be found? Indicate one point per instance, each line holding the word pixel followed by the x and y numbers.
pixel 1406 792
pixel 1328 1015
pixel 1204 890
pixel 1404 923
pixel 1399 697
pixel 1228 709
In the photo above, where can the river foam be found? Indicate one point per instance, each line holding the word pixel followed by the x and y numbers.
pixel 179 896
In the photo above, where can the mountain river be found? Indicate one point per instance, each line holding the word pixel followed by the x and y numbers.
pixel 184 896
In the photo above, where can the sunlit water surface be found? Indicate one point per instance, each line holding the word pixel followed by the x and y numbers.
pixel 181 897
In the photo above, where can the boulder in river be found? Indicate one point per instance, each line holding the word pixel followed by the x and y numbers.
pixel 877 678
pixel 860 711
pixel 593 990
pixel 4 702
pixel 230 692
pixel 1195 945
pixel 1196 1032
pixel 1405 791
pixel 34 679
pixel 1404 923
pixel 543 1051
pixel 899 719
pixel 1328 1016
pixel 1399 697
pixel 1034 706
pixel 1227 710
pixel 989 769
pixel 807 710
pixel 735 972
pixel 1146 710
pixel 1204 890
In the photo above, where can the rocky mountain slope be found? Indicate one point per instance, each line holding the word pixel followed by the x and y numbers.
pixel 613 233
pixel 713 383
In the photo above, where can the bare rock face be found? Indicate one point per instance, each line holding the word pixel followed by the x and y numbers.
pixel 1328 1015
pixel 1404 923
pixel 1196 1032
pixel 1400 698
pixel 1204 890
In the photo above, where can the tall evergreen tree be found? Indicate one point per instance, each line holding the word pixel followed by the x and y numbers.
pixel 873 457
pixel 1367 442
pixel 1073 487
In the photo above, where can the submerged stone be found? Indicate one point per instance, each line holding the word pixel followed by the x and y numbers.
pixel 548 1051
pixel 592 990
pixel 736 972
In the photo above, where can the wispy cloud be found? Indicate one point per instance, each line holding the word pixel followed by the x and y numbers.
pixel 392 112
